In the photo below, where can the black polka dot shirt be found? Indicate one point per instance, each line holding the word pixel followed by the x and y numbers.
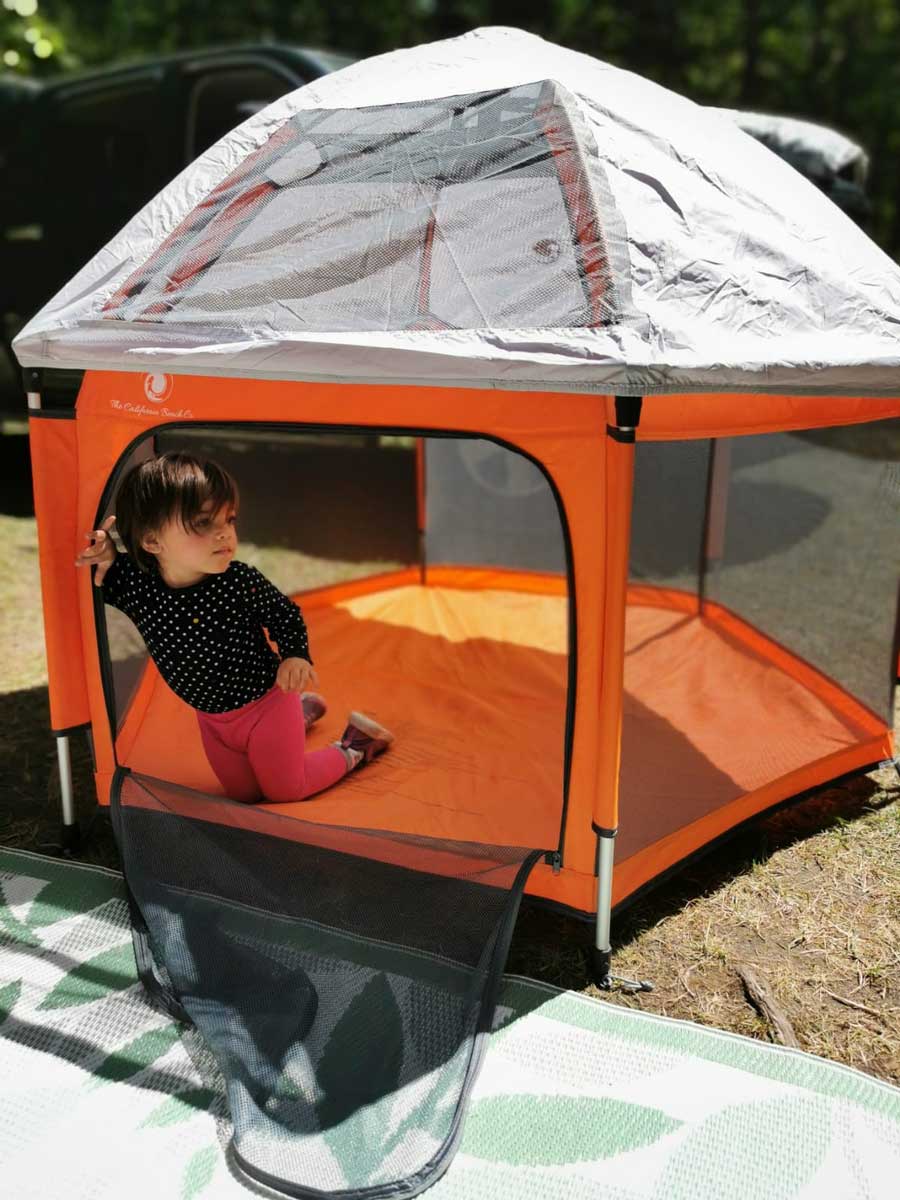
pixel 208 640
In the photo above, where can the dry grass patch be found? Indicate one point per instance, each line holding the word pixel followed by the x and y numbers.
pixel 21 627
pixel 817 917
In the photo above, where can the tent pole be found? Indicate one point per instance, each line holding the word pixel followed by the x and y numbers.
pixel 601 965
pixel 63 757
pixel 420 507
pixel 713 549
pixel 606 840
pixel 66 790
pixel 620 444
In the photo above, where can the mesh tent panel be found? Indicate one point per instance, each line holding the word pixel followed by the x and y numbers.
pixel 468 212
pixel 489 506
pixel 667 521
pixel 341 977
pixel 296 491
pixel 811 554
pixel 794 534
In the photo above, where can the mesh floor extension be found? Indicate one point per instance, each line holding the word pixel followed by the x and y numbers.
pixel 344 978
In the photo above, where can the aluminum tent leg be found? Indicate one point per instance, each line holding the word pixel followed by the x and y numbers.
pixel 602 953
pixel 67 794
pixel 603 927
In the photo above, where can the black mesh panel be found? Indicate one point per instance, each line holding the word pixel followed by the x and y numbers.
pixel 488 505
pixel 760 629
pixel 667 522
pixel 340 976
pixel 811 552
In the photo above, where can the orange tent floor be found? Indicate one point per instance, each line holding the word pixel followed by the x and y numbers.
pixel 473 684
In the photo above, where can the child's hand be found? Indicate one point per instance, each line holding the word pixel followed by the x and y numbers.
pixel 101 553
pixel 296 675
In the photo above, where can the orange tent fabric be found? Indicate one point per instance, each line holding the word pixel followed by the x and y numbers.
pixel 552 675
pixel 473 683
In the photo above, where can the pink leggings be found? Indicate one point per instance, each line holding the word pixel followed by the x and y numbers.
pixel 258 752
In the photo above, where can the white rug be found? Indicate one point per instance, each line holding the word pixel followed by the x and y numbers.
pixel 104 1098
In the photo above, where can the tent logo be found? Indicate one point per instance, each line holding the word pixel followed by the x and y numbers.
pixel 547 249
pixel 158 388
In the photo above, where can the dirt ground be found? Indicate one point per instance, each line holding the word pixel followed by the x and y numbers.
pixel 808 898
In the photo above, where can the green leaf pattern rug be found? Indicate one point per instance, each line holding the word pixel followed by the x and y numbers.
pixel 102 1097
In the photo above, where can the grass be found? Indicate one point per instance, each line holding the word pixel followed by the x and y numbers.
pixel 810 896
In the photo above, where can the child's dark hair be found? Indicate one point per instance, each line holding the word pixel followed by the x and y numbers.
pixel 173 487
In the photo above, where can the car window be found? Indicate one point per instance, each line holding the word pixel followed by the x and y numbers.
pixel 224 98
pixel 108 159
pixel 113 130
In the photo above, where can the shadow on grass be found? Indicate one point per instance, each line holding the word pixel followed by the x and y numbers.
pixel 555 948
pixel 16 498
pixel 30 813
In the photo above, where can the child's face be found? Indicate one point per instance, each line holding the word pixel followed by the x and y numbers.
pixel 186 555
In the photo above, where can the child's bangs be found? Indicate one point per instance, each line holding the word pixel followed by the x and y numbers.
pixel 204 486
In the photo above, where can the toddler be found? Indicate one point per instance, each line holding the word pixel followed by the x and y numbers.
pixel 202 615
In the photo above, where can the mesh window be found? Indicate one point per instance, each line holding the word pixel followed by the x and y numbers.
pixel 667 522
pixel 299 495
pixel 315 508
pixel 469 212
pixel 811 554
pixel 793 532
pixel 760 630
pixel 488 505
pixel 341 978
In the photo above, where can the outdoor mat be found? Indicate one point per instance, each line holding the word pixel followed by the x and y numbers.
pixel 104 1096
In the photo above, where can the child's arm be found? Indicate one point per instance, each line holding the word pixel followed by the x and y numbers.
pixel 284 622
pixel 101 551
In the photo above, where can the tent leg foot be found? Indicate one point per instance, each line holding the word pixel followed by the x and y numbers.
pixel 603 978
pixel 70 839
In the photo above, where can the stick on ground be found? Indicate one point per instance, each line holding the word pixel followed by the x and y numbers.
pixel 854 1004
pixel 764 1002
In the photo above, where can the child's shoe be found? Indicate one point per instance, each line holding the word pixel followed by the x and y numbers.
pixel 363 739
pixel 314 708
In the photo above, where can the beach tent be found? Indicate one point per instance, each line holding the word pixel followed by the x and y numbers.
pixel 535 289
